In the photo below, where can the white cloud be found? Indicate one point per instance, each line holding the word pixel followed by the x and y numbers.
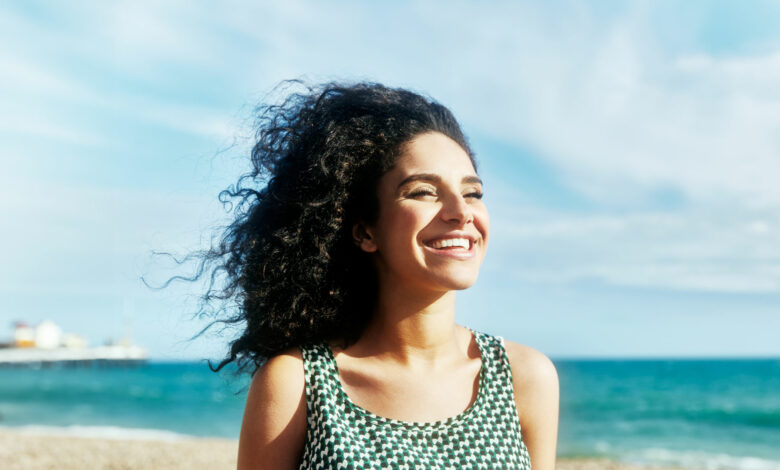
pixel 193 119
pixel 57 78
pixel 30 126
pixel 83 237
pixel 633 120
pixel 21 74
pixel 692 250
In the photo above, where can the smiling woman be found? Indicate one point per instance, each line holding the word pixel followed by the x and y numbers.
pixel 361 219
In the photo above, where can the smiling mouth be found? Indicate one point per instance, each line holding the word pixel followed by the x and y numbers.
pixel 451 244
pixel 456 247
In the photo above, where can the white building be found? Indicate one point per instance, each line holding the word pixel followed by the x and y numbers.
pixel 47 335
pixel 24 336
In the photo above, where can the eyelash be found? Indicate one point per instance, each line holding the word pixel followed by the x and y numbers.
pixel 429 192
pixel 421 192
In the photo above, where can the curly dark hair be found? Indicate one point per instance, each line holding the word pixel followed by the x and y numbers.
pixel 288 260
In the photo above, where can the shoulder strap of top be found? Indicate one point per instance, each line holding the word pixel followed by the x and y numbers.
pixel 494 354
pixel 316 360
pixel 498 372
pixel 319 372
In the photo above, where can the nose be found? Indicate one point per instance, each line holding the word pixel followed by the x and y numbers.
pixel 457 210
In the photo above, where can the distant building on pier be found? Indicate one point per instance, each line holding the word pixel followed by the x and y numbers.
pixel 46 344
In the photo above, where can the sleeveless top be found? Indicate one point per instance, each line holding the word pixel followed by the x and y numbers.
pixel 342 435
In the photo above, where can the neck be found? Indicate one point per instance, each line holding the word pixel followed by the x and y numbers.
pixel 412 327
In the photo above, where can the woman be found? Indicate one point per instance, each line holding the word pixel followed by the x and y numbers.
pixel 345 266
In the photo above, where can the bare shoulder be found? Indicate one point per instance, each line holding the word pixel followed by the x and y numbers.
pixel 273 431
pixel 281 373
pixel 530 368
pixel 277 387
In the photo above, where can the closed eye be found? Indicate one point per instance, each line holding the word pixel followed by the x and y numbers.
pixel 421 192
pixel 475 195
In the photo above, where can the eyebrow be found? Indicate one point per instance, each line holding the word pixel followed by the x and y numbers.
pixel 434 178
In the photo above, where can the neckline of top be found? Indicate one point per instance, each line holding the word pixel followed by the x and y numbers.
pixel 419 425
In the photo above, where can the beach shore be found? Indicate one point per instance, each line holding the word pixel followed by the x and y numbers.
pixel 27 451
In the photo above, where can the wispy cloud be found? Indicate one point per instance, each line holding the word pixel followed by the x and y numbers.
pixel 21 75
pixel 694 250
pixel 88 238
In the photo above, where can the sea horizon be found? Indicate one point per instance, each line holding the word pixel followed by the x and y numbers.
pixel 555 358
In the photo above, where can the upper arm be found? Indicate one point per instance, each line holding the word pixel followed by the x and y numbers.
pixel 273 431
pixel 536 396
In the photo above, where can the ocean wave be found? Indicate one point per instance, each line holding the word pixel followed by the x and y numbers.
pixel 700 460
pixel 764 418
pixel 99 432
pixel 751 417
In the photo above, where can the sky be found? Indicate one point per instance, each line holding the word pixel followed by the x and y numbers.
pixel 629 149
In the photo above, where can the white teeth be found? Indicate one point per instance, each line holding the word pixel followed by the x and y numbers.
pixel 459 242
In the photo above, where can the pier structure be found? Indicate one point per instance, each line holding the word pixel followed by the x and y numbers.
pixel 46 346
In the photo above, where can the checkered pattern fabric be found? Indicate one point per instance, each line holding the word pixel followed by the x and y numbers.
pixel 342 435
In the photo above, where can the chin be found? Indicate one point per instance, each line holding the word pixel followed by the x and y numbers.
pixel 464 285
pixel 458 283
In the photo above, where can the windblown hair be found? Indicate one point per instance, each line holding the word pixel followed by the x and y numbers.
pixel 288 260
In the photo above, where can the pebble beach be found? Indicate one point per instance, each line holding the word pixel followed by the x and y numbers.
pixel 25 451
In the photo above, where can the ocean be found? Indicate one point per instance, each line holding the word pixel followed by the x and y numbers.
pixel 706 414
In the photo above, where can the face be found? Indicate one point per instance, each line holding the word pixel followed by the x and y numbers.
pixel 432 229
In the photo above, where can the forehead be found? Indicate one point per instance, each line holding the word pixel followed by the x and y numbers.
pixel 436 153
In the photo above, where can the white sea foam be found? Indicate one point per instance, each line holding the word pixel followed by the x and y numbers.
pixel 99 432
pixel 702 460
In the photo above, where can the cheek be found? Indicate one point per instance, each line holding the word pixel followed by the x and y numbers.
pixel 397 227
pixel 406 221
pixel 482 221
pixel 413 221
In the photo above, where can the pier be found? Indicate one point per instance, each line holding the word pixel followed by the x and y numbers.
pixel 103 355
pixel 45 346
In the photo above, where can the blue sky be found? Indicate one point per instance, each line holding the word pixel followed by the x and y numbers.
pixel 629 149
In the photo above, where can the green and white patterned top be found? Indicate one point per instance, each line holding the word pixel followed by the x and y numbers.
pixel 342 435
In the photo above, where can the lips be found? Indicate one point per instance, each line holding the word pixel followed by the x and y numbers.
pixel 453 243
pixel 463 240
pixel 457 245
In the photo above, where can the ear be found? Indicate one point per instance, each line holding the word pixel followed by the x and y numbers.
pixel 361 235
